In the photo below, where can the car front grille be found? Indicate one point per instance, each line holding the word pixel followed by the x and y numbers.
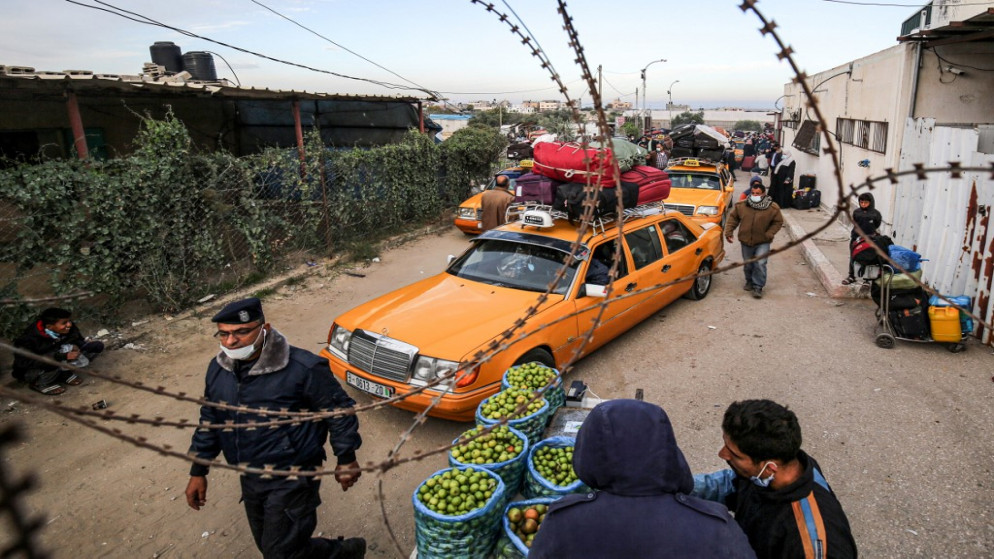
pixel 382 356
pixel 685 209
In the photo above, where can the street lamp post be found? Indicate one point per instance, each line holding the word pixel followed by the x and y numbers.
pixel 644 96
pixel 669 91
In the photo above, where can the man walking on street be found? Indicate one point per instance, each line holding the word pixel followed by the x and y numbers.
pixel 760 218
pixel 778 493
pixel 494 203
pixel 258 368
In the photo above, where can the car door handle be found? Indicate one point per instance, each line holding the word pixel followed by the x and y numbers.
pixel 666 268
pixel 699 251
pixel 630 287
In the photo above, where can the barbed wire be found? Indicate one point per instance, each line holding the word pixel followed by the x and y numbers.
pixel 12 491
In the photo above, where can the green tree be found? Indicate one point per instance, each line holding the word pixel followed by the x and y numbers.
pixel 631 128
pixel 494 118
pixel 749 126
pixel 688 117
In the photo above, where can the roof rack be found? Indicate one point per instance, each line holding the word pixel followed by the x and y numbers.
pixel 516 212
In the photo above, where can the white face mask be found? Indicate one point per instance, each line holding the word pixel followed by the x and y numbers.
pixel 762 482
pixel 755 199
pixel 242 353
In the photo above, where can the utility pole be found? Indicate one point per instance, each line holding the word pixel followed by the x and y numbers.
pixel 644 96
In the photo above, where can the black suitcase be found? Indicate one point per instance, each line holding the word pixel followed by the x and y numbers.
pixel 807 182
pixel 806 199
pixel 570 197
pixel 910 323
pixel 678 151
pixel 710 154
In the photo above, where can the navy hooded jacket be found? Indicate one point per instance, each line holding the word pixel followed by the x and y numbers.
pixel 640 506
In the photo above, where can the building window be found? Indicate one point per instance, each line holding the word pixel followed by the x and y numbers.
pixel 807 138
pixel 867 134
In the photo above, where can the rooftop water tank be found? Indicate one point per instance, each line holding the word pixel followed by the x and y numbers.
pixel 200 65
pixel 167 54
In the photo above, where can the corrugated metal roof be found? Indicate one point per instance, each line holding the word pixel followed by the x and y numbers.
pixel 86 81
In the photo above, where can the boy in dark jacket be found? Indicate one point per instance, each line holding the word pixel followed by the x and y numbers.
pixel 868 219
pixel 639 505
pixel 53 335
pixel 778 494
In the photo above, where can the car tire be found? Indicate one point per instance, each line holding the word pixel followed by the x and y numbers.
pixel 701 285
pixel 538 354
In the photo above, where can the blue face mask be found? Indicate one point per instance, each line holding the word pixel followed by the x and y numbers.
pixel 53 335
pixel 762 482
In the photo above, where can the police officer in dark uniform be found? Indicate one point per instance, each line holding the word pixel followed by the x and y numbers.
pixel 258 368
pixel 639 505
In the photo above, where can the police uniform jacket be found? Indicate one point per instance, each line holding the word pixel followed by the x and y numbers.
pixel 283 377
pixel 639 505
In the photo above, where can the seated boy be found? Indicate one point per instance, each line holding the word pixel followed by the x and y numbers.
pixel 53 335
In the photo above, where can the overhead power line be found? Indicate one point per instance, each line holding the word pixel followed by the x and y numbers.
pixel 139 18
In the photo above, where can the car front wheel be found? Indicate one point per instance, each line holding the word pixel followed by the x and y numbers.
pixel 539 355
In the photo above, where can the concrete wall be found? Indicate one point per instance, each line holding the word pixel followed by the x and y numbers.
pixel 950 98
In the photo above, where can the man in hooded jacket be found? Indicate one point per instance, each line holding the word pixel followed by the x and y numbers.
pixel 639 505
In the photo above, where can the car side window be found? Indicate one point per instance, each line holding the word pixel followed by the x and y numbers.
pixel 644 246
pixel 676 235
pixel 604 254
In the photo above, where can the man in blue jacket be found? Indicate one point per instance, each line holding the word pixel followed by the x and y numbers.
pixel 257 368
pixel 640 504
pixel 777 492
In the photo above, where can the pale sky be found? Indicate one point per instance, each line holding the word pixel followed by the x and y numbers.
pixel 456 47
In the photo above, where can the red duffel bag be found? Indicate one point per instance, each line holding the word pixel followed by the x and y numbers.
pixel 564 162
pixel 654 184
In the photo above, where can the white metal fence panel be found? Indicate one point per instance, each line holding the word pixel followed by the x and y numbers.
pixel 947 219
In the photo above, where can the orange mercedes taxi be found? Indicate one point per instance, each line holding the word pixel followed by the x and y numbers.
pixel 701 189
pixel 469 216
pixel 410 337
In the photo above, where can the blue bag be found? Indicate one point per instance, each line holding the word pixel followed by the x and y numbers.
pixel 467 536
pixel 905 258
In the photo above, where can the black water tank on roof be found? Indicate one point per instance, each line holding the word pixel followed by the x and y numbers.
pixel 200 65
pixel 167 54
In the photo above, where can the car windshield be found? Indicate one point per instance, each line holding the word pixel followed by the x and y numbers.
pixel 513 264
pixel 695 180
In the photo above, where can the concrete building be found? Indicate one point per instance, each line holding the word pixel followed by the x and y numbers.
pixel 925 101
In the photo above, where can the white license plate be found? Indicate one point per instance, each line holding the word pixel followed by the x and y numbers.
pixel 373 388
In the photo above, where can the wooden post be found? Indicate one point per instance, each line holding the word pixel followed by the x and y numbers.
pixel 298 129
pixel 76 122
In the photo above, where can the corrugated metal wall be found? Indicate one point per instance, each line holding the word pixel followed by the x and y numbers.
pixel 947 220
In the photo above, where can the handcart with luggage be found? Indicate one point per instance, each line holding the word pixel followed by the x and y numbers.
pixel 905 312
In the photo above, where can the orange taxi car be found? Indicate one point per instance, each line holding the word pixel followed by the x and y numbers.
pixel 469 213
pixel 412 337
pixel 701 189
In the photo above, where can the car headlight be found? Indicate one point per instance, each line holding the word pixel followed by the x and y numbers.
pixel 338 341
pixel 707 210
pixel 467 213
pixel 428 369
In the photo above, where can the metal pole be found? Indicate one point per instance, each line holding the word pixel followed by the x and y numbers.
pixel 645 97
pixel 421 118
pixel 669 91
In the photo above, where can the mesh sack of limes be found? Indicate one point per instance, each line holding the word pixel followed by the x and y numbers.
pixel 457 513
pixel 503 450
pixel 519 408
pixel 536 376
pixel 550 469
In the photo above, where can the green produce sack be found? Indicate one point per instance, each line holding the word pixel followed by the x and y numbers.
pixel 554 393
pixel 537 485
pixel 510 546
pixel 510 471
pixel 464 536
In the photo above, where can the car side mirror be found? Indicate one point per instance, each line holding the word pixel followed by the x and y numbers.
pixel 450 258
pixel 729 188
pixel 594 290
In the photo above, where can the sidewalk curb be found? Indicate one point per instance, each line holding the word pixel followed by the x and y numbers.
pixel 830 278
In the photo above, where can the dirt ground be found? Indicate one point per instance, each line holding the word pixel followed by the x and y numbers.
pixel 903 435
